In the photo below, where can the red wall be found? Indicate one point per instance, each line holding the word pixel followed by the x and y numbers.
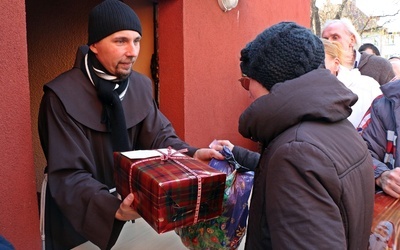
pixel 199 48
pixel 19 217
pixel 199 62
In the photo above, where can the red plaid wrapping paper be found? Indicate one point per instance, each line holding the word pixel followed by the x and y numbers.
pixel 167 189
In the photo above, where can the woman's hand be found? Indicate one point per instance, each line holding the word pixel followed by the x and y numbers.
pixel 218 144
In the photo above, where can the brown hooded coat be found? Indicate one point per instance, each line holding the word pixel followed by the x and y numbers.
pixel 314 185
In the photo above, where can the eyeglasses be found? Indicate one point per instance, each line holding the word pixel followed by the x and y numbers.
pixel 245 81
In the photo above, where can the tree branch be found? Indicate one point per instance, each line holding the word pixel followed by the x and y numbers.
pixel 341 8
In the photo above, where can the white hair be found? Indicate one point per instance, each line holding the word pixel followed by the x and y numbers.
pixel 350 28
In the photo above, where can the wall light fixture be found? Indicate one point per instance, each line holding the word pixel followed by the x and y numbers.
pixel 227 5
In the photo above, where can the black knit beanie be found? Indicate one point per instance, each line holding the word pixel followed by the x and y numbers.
pixel 282 52
pixel 109 17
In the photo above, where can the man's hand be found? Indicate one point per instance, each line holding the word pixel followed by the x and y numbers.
pixel 125 211
pixel 206 154
pixel 389 181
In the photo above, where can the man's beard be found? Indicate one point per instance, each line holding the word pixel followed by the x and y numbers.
pixel 122 75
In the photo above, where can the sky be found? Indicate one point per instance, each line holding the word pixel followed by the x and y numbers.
pixel 376 8
pixel 371 7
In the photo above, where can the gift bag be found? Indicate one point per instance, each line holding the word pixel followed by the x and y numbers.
pixel 385 230
pixel 228 230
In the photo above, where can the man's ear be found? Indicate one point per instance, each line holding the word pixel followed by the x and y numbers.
pixel 352 40
pixel 93 48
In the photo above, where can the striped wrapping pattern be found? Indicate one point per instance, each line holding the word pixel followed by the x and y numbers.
pixel 166 193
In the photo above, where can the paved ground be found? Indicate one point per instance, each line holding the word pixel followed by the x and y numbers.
pixel 140 236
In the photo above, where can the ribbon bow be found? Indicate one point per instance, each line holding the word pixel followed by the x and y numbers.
pixel 170 154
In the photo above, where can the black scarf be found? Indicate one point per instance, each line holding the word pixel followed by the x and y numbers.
pixel 113 113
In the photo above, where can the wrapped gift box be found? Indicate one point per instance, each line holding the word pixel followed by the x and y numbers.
pixel 171 190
